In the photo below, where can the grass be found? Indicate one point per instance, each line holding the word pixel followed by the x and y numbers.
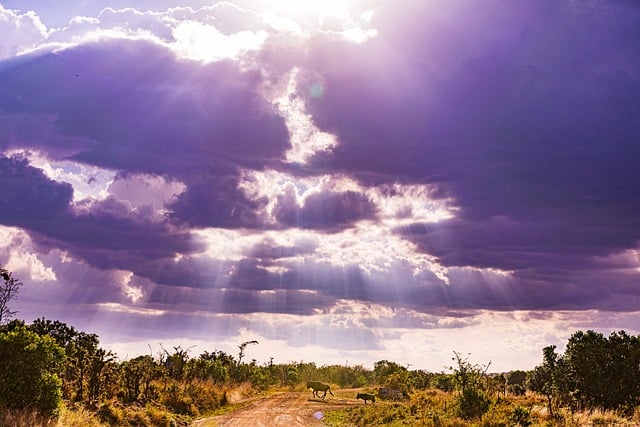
pixel 178 406
pixel 433 408
pixel 23 418
pixel 424 408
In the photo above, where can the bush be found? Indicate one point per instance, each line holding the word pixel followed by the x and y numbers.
pixel 29 369
pixel 521 416
pixel 472 403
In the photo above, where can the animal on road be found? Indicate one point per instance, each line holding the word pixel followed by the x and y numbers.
pixel 317 387
pixel 365 397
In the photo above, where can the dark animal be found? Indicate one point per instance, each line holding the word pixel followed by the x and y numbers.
pixel 365 397
pixel 317 386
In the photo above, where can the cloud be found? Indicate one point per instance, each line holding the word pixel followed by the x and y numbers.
pixel 531 139
pixel 19 256
pixel 327 210
pixel 131 106
pixel 215 202
pixel 144 101
pixel 106 233
pixel 20 31
pixel 198 41
pixel 28 197
pixel 415 184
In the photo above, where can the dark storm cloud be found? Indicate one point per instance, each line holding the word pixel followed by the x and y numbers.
pixel 216 202
pixel 142 110
pixel 131 106
pixel 27 197
pixel 110 236
pixel 106 233
pixel 529 119
pixel 512 244
pixel 325 210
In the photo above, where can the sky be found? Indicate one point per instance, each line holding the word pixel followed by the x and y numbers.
pixel 342 181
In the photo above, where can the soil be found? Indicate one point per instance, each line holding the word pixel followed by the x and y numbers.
pixel 288 409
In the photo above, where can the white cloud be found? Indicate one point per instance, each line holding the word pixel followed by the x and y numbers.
pixel 88 182
pixel 19 32
pixel 134 293
pixel 397 204
pixel 209 33
pixel 147 193
pixel 371 245
pixel 197 41
pixel 20 257
pixel 306 139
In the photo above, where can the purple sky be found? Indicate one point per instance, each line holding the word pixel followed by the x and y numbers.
pixel 342 181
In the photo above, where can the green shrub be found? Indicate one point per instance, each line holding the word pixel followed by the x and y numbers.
pixel 520 416
pixel 472 404
pixel 29 369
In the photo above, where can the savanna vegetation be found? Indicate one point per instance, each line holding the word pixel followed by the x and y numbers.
pixel 54 375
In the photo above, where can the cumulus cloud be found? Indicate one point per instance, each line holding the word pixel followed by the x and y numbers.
pixel 28 196
pixel 324 210
pixel 20 31
pixel 105 233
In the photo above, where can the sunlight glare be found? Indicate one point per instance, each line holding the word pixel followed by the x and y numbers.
pixel 318 8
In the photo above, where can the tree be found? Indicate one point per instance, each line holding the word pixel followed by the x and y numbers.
pixel 516 382
pixel 209 366
pixel 545 378
pixel 604 372
pixel 29 371
pixel 101 371
pixel 242 347
pixel 242 372
pixel 175 363
pixel 9 288
pixel 443 382
pixel 386 372
pixel 468 379
pixel 137 375
pixel 587 360
pixel 623 371
pixel 80 349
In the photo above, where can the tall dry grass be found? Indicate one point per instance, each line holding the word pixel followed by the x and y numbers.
pixel 68 417
pixel 24 418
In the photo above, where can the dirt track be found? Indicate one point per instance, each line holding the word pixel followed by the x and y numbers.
pixel 282 410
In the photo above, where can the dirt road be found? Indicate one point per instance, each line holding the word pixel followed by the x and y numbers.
pixel 280 410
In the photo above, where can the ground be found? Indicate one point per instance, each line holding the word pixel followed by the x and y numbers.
pixel 287 409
